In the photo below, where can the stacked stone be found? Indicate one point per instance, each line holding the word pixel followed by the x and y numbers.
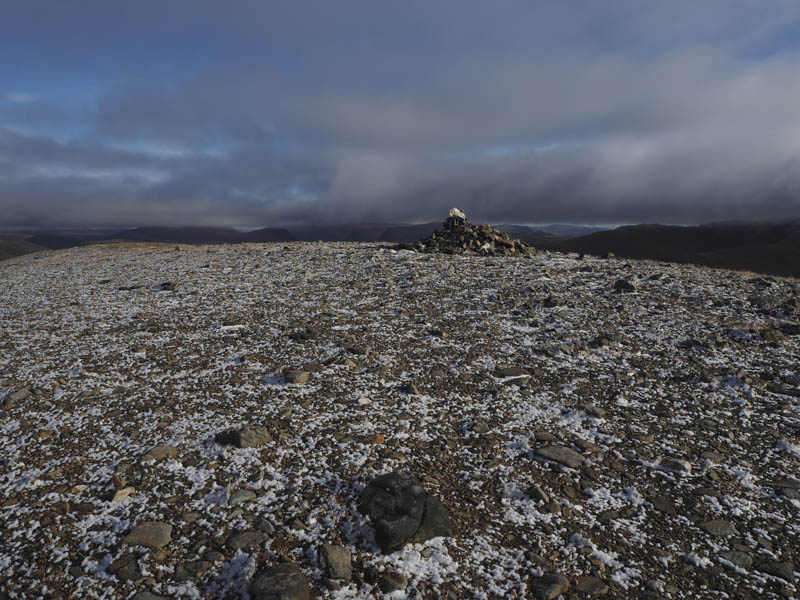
pixel 458 236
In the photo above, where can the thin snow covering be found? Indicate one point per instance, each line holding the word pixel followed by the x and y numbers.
pixel 695 365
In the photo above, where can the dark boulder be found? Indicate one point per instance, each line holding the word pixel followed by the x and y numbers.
pixel 402 511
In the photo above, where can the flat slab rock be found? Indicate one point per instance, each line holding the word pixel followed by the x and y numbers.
pixel 782 569
pixel 719 528
pixel 402 511
pixel 562 455
pixel 150 534
pixel 246 540
pixel 738 558
pixel 249 436
pixel 161 452
pixel 281 582
pixel 296 376
pixel 592 586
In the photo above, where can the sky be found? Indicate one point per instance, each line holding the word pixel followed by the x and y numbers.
pixel 251 113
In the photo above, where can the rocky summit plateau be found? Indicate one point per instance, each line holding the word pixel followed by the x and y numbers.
pixel 335 420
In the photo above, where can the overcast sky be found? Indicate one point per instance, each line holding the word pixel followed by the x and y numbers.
pixel 253 113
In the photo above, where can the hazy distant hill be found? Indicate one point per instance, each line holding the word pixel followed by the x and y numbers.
pixel 203 235
pixel 531 236
pixel 267 234
pixel 772 248
pixel 570 231
pixel 12 245
pixel 55 241
pixel 351 232
pixel 407 234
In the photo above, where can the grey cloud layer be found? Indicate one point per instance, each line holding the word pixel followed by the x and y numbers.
pixel 526 112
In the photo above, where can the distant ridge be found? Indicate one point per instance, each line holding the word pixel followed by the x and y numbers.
pixel 771 248
pixel 406 234
pixel 570 231
pixel 349 232
pixel 15 245
pixel 203 235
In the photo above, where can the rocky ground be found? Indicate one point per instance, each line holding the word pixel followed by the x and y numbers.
pixel 197 422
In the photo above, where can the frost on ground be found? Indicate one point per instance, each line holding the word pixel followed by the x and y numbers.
pixel 640 443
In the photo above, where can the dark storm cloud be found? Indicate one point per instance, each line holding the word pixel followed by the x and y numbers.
pixel 515 111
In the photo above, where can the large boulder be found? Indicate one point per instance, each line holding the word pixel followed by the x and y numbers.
pixel 402 511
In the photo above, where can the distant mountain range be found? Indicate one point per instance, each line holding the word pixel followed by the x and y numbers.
pixel 772 248
pixel 203 235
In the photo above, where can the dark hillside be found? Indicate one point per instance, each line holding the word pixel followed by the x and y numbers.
pixel 772 248
pixel 12 245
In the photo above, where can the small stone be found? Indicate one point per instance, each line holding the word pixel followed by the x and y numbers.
pixel 148 596
pixel 240 497
pixel 191 569
pixel 296 377
pixel 126 567
pixel 719 528
pixel 562 455
pixel 784 570
pixel 392 582
pixel 591 585
pixel 249 436
pixel 246 540
pixel 480 426
pixel 518 381
pixel 714 457
pixel 336 561
pixel 676 465
pixel 738 558
pixel 549 586
pixel 151 534
pixel 503 372
pixel 622 286
pixel 20 395
pixel 595 411
pixel 545 436
pixel 160 453
pixel 538 494
pixel 281 582
pixel 663 504
pixel 120 495
pixel 787 483
pixel 261 524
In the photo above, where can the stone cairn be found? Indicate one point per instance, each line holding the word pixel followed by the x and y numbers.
pixel 458 236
